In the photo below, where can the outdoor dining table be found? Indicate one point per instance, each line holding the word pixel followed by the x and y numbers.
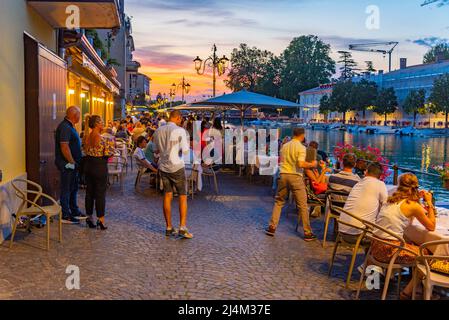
pixel 418 234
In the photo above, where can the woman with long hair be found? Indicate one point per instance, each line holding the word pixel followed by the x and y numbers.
pixel 396 215
pixel 97 150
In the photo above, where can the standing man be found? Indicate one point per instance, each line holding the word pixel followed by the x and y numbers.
pixel 170 141
pixel 293 162
pixel 67 159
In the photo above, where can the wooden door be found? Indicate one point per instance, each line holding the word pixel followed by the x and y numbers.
pixel 45 105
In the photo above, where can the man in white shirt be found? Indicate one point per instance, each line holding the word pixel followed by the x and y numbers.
pixel 170 141
pixel 364 201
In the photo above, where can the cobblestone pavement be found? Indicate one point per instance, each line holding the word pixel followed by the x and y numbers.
pixel 229 258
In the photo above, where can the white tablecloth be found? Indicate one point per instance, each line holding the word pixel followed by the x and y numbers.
pixel 419 235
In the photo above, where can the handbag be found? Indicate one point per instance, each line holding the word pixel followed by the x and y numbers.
pixel 319 188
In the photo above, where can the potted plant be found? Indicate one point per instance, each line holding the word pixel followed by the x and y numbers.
pixel 364 155
pixel 443 171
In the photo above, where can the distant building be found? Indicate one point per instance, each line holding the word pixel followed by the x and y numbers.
pixel 403 81
pixel 141 91
pixel 122 46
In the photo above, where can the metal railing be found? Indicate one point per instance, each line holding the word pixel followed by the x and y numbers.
pixel 396 169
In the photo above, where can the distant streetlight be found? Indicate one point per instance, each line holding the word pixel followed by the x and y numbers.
pixel 216 63
pixel 184 86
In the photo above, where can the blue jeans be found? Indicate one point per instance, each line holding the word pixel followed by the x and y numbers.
pixel 69 193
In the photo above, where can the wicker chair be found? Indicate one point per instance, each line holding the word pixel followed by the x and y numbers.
pixel 392 265
pixel 29 208
pixel 430 278
pixel 340 242
pixel 333 201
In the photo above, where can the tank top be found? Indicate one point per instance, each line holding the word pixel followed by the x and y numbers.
pixel 392 219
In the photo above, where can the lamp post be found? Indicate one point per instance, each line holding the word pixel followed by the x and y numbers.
pixel 218 65
pixel 184 86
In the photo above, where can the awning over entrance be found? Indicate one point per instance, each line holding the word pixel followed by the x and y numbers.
pixel 99 14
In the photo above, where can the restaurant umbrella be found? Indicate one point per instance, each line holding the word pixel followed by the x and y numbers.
pixel 244 100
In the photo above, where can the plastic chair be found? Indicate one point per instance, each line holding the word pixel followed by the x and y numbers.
pixel 142 171
pixel 391 265
pixel 333 201
pixel 355 247
pixel 430 278
pixel 116 167
pixel 29 208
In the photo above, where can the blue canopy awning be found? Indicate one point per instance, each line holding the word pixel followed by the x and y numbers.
pixel 245 99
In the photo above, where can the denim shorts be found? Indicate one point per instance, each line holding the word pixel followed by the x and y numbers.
pixel 175 181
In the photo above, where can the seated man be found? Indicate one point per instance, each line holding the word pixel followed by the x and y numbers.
pixel 139 155
pixel 345 180
pixel 364 201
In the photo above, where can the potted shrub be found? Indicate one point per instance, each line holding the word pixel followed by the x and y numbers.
pixel 443 171
pixel 364 156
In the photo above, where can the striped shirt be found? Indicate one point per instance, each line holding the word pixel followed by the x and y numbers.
pixel 343 181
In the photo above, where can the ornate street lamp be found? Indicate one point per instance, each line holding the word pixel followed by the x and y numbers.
pixel 184 86
pixel 218 65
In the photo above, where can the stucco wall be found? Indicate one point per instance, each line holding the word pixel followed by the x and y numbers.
pixel 15 19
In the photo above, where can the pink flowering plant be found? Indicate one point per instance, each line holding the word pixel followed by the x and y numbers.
pixel 443 171
pixel 366 153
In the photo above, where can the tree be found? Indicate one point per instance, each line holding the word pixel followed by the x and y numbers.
pixel 364 95
pixel 270 83
pixel 370 67
pixel 386 103
pixel 440 51
pixel 341 99
pixel 325 106
pixel 348 68
pixel 440 96
pixel 307 64
pixel 249 66
pixel 415 103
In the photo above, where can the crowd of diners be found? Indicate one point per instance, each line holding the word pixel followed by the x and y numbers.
pixel 304 170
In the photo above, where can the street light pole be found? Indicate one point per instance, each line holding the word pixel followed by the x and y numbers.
pixel 218 65
pixel 185 87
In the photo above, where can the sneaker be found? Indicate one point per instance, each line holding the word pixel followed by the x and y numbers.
pixel 270 231
pixel 308 237
pixel 171 232
pixel 70 220
pixel 80 216
pixel 184 233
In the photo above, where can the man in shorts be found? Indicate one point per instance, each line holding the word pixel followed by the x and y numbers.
pixel 170 141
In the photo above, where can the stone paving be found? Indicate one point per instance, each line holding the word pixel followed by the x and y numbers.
pixel 229 258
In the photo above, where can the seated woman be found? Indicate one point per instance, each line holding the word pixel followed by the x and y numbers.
pixel 396 215
pixel 139 155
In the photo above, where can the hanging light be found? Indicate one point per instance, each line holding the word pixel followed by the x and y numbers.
pixel 71 91
pixel 198 63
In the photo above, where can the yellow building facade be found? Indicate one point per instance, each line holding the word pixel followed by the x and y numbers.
pixel 16 17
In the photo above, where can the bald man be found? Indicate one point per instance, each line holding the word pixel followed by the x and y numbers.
pixel 67 159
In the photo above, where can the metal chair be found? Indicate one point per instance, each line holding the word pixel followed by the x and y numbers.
pixel 192 182
pixel 391 266
pixel 430 278
pixel 209 172
pixel 142 171
pixel 29 208
pixel 334 199
pixel 355 247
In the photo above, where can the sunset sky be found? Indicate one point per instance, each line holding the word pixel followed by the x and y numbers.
pixel 169 34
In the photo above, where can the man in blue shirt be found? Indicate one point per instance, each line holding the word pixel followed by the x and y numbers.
pixel 67 159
